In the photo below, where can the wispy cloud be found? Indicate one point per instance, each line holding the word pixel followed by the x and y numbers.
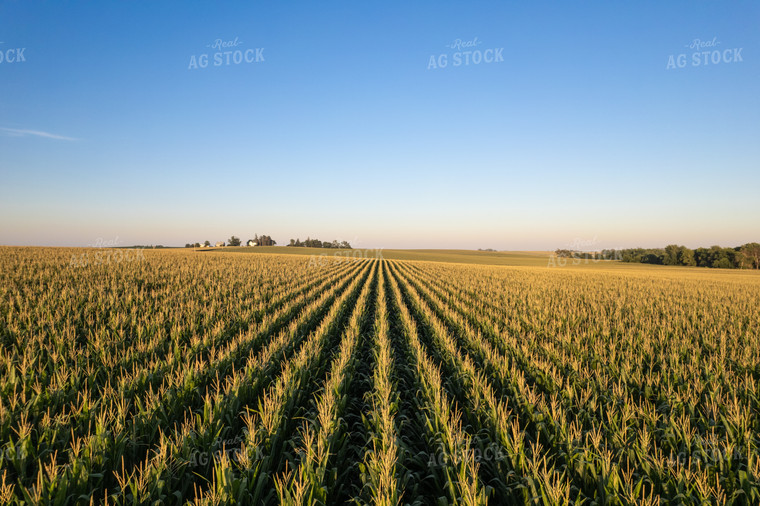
pixel 15 132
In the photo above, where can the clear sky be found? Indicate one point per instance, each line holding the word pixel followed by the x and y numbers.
pixel 336 124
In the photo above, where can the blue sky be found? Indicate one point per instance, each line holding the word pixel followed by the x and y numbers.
pixel 345 131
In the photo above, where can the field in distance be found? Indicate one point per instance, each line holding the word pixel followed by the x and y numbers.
pixel 536 258
pixel 175 376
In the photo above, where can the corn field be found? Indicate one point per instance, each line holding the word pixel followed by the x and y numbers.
pixel 222 378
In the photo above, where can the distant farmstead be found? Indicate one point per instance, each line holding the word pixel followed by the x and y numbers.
pixel 253 243
pixel 220 244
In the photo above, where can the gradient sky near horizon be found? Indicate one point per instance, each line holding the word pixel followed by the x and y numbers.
pixel 581 135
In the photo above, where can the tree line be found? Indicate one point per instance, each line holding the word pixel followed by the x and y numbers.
pixel 263 240
pixel 740 257
pixel 316 243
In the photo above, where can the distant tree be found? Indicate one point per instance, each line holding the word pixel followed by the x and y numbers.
pixel 314 243
pixel 207 244
pixel 188 245
pixel 671 254
pixel 714 254
pixel 652 257
pixel 746 256
pixel 749 256
pixel 686 256
pixel 722 258
pixel 264 240
pixel 702 257
pixel 632 255
pixel 233 241
pixel 197 245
